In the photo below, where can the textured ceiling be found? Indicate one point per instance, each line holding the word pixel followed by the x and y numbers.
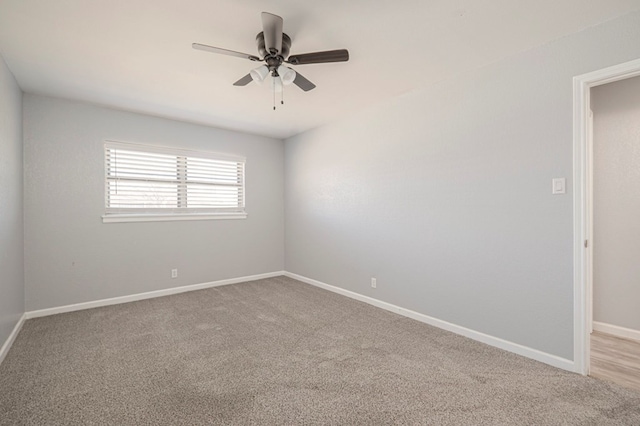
pixel 136 55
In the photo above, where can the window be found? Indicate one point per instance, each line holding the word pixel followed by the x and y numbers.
pixel 145 183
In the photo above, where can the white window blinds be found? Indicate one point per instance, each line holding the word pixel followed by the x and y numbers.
pixel 142 179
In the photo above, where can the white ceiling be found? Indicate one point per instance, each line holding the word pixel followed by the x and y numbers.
pixel 136 55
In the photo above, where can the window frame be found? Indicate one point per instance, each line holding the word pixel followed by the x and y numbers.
pixel 153 214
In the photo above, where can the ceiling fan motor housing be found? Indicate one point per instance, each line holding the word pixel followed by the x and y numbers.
pixel 286 45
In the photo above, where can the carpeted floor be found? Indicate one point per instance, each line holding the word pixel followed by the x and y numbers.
pixel 278 351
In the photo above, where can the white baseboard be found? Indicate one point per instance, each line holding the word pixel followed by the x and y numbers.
pixel 625 333
pixel 506 345
pixel 535 354
pixel 147 295
pixel 12 337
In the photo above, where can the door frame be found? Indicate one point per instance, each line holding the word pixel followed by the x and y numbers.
pixel 583 204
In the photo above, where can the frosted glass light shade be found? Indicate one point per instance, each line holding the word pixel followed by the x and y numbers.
pixel 259 74
pixel 287 75
pixel 276 84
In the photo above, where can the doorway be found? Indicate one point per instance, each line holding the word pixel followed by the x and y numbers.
pixel 584 208
pixel 615 183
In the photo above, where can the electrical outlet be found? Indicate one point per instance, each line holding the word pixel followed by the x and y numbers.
pixel 374 282
pixel 174 273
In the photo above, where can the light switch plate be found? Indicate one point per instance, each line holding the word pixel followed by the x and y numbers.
pixel 559 186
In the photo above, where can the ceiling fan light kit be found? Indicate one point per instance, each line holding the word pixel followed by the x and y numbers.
pixel 273 47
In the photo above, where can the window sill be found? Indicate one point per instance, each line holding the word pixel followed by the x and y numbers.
pixel 119 218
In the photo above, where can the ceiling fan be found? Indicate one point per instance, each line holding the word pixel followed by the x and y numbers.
pixel 273 46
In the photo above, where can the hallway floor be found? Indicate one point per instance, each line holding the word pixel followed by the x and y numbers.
pixel 615 359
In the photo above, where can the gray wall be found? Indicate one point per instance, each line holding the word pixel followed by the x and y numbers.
pixel 11 210
pixel 71 256
pixel 616 215
pixel 444 194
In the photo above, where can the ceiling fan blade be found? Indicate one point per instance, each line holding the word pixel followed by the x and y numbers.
pixel 272 28
pixel 244 80
pixel 341 55
pixel 212 49
pixel 303 83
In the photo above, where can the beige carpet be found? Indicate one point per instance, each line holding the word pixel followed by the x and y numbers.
pixel 278 351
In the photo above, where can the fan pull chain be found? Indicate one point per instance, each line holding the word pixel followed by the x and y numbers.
pixel 282 96
pixel 274 96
